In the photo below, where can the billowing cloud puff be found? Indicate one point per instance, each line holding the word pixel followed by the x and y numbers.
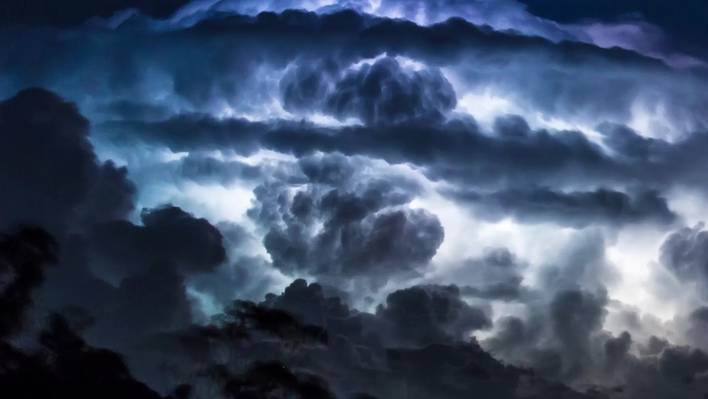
pixel 685 254
pixel 574 316
pixel 495 275
pixel 379 93
pixel 128 270
pixel 423 315
pixel 415 326
pixel 168 234
pixel 385 93
pixel 356 228
pixel 557 340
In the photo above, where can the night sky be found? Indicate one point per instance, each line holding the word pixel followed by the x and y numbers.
pixel 392 199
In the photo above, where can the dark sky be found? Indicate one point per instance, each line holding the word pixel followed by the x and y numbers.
pixel 74 12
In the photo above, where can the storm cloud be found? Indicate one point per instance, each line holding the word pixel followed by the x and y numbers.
pixel 353 199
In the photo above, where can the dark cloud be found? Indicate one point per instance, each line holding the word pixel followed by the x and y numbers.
pixel 23 257
pixel 558 338
pixel 357 228
pixel 655 345
pixel 472 369
pixel 183 133
pixel 497 274
pixel 682 363
pixel 581 263
pixel 576 209
pixel 243 275
pixel 563 339
pixel 59 184
pixel 110 197
pixel 514 159
pixel 272 380
pixel 307 87
pixel 276 322
pixel 329 169
pixel 625 142
pixel 310 303
pixel 616 348
pixel 49 162
pixel 430 323
pixel 574 316
pixel 366 245
pixel 336 204
pixel 423 315
pixel 168 234
pixel 685 253
pixel 508 290
pixel 66 366
pixel 69 366
pixel 485 59
pixel 454 150
pixel 415 316
pixel 370 36
pixel 459 151
pixel 209 169
pixel 511 337
pixel 148 269
pixel 126 109
pixel 261 47
pixel 143 304
pixel 383 92
pixel 697 323
pixel 108 265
